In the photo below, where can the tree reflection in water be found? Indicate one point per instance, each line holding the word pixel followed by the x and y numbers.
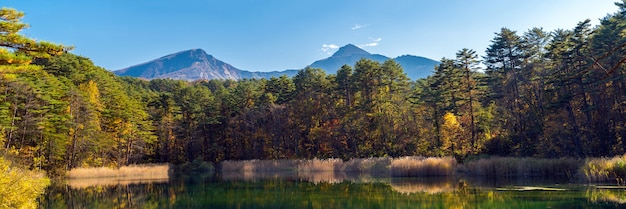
pixel 326 190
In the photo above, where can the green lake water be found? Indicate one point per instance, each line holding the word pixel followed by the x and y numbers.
pixel 329 190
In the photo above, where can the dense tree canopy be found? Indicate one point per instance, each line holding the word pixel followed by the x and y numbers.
pixel 544 94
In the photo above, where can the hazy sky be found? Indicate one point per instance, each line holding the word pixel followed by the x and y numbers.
pixel 266 35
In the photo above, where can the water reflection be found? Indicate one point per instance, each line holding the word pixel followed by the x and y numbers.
pixel 615 195
pixel 426 185
pixel 326 190
pixel 431 185
pixel 112 181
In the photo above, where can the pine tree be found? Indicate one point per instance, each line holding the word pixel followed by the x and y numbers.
pixel 18 49
pixel 467 61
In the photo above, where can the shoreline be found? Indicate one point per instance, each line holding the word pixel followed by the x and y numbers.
pixel 590 170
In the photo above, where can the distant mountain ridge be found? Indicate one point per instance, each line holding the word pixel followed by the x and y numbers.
pixel 196 64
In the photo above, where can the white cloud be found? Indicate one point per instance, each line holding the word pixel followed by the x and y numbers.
pixel 373 43
pixel 370 44
pixel 327 47
pixel 358 26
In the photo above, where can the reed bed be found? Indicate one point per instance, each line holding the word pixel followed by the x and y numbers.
pixel 316 165
pixel 605 169
pixel 593 169
pixel 419 166
pixel 379 165
pixel 259 165
pixel 573 169
pixel 510 166
pixel 81 183
pixel 405 166
pixel 149 171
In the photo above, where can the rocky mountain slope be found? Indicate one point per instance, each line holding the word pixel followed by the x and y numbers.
pixel 196 64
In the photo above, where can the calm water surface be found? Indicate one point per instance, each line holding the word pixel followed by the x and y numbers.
pixel 328 190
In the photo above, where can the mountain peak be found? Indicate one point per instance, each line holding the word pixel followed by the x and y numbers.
pixel 350 50
pixel 190 53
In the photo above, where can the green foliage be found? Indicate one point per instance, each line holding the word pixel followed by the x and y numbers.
pixel 23 49
pixel 195 166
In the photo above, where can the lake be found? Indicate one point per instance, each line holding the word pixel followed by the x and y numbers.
pixel 329 190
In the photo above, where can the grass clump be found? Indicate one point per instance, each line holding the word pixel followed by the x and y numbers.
pixel 420 166
pixel 604 169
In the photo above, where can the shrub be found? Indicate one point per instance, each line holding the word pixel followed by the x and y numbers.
pixel 196 166
pixel 604 169
pixel 19 187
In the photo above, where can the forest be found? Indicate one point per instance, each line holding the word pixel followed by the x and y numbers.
pixel 536 93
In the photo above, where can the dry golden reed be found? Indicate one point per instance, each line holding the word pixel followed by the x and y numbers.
pixel 81 183
pixel 259 165
pixel 511 166
pixel 148 171
pixel 418 166
pixel 315 165
pixel 593 170
pixel 405 166
pixel 375 165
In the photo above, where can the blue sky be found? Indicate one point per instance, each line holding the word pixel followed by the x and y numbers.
pixel 266 35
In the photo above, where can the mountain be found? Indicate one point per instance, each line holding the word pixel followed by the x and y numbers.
pixel 415 67
pixel 192 65
pixel 196 64
pixel 348 54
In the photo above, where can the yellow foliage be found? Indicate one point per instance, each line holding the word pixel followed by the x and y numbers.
pixel 450 134
pixel 2 138
pixel 93 94
pixel 450 121
pixel 19 188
